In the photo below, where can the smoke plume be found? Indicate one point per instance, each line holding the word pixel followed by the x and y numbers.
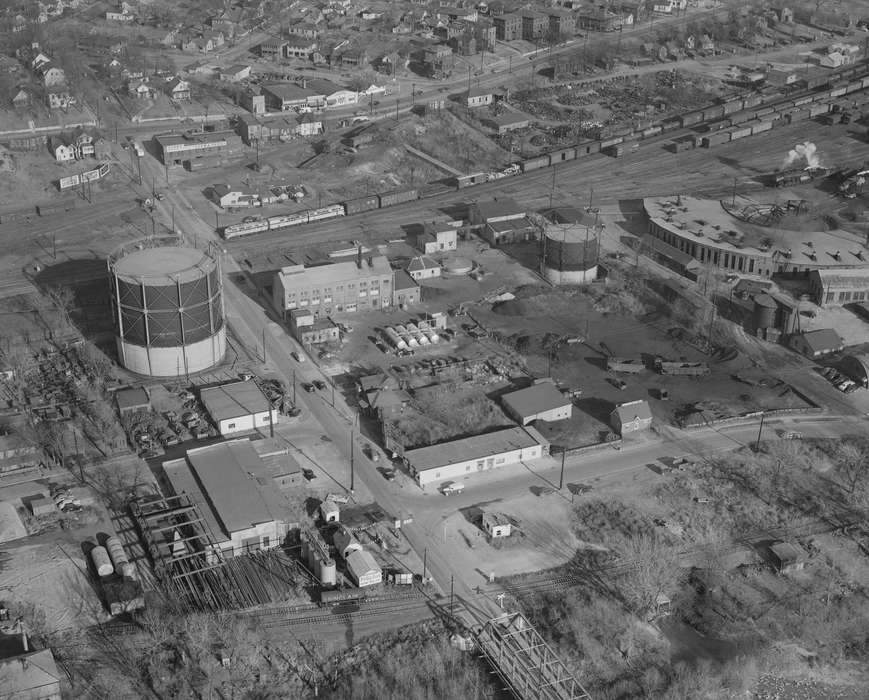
pixel 803 151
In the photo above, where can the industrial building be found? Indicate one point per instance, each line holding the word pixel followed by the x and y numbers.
pixel 731 237
pixel 540 401
pixel 838 287
pixel 312 331
pixel 174 149
pixel 817 343
pixel 631 417
pixel 238 407
pixel 362 567
pixel 437 238
pixel 234 493
pixel 406 291
pixel 501 221
pixel 167 307
pixel 132 399
pixel 477 453
pixel 361 285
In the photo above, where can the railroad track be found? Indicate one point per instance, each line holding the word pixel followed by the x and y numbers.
pixel 347 617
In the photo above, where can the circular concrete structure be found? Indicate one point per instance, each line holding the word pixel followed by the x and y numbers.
pixel 457 266
pixel 570 255
pixel 167 304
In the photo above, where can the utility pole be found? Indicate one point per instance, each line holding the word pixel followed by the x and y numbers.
pixel 759 431
pixel 352 455
pixel 469 82
pixel 552 189
pixel 561 478
pixel 294 387
pixel 424 562
pixel 264 345
pixel 451 594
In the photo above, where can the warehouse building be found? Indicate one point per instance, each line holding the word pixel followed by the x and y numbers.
pixel 540 401
pixel 363 568
pixel 406 291
pixel 437 238
pixel 502 221
pixel 360 285
pixel 235 494
pixel 174 149
pixel 477 453
pixel 838 287
pixel 238 407
pixel 312 331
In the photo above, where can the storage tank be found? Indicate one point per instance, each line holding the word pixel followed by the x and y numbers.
pixel 764 311
pixel 101 560
pixel 116 553
pixel 167 307
pixel 570 254
pixel 394 338
pixel 328 572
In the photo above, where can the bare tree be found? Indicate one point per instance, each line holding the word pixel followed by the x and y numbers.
pixel 852 466
pixel 653 570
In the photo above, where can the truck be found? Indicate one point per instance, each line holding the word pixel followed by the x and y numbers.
pixel 139 149
pixel 451 487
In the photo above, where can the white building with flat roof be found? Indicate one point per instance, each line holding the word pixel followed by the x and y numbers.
pixel 238 407
pixel 449 460
pixel 235 494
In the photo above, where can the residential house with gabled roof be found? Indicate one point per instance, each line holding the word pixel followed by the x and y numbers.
pixel 178 89
pixel 53 76
pixel 631 417
pixel 21 97
pixel 62 151
pixel 423 267
pixel 817 343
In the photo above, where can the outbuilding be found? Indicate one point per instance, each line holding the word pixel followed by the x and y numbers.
pixel 540 401
pixel 423 267
pixel 497 525
pixel 788 557
pixel 132 399
pixel 238 407
pixel 363 568
pixel 631 417
pixel 817 343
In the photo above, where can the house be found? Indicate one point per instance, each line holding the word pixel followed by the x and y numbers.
pixel 178 89
pixel 405 290
pixel 788 557
pixel 817 343
pixel 132 399
pixel 312 331
pixel 479 97
pixel 32 675
pixel 21 97
pixel 119 17
pixel 502 221
pixel 235 73
pixel 300 48
pixel 238 407
pixel 508 27
pixel 235 495
pixel 436 238
pixel 306 30
pixel 330 512
pixel 438 58
pixel 497 525
pixel 62 151
pixel 272 47
pixel 478 453
pixel 228 197
pixel 540 401
pixel 52 76
pixel 139 89
pixel 631 417
pixel 423 267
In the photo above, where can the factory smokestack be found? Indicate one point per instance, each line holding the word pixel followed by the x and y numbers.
pixel 802 151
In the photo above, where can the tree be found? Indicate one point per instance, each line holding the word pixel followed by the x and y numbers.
pixel 852 466
pixel 653 570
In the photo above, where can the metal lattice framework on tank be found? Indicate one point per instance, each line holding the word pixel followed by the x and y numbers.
pixel 172 308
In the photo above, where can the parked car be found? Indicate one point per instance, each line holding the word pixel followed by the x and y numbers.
pixel 320 384
pixel 307 386
pixel 619 384
pixel 308 474
pixel 297 357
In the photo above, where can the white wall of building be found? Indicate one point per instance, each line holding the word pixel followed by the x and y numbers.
pixel 246 423
pixel 472 466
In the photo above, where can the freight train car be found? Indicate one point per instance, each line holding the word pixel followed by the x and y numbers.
pixel 245 229
pixel 361 204
pixel 341 596
pixel 535 163
pixel 390 199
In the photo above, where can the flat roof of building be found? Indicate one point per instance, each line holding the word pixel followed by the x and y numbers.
pixel 230 481
pixel 499 207
pixel 537 398
pixel 474 447
pixel 510 225
pixel 290 91
pixel 334 273
pixel 191 138
pixel 134 397
pixel 234 400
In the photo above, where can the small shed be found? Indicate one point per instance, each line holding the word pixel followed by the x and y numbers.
pixel 496 525
pixel 788 557
pixel 133 399
pixel 42 506
pixel 330 512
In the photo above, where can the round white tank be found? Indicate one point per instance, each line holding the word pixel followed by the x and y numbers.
pixel 101 560
pixel 401 330
pixel 412 342
pixel 328 572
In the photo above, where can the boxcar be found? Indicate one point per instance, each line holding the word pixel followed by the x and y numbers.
pixel 390 199
pixel 587 148
pixel 690 119
pixel 732 106
pixel 740 133
pixel 670 124
pixel 760 126
pixel 714 112
pixel 535 163
pixel 562 154
pixel 360 204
